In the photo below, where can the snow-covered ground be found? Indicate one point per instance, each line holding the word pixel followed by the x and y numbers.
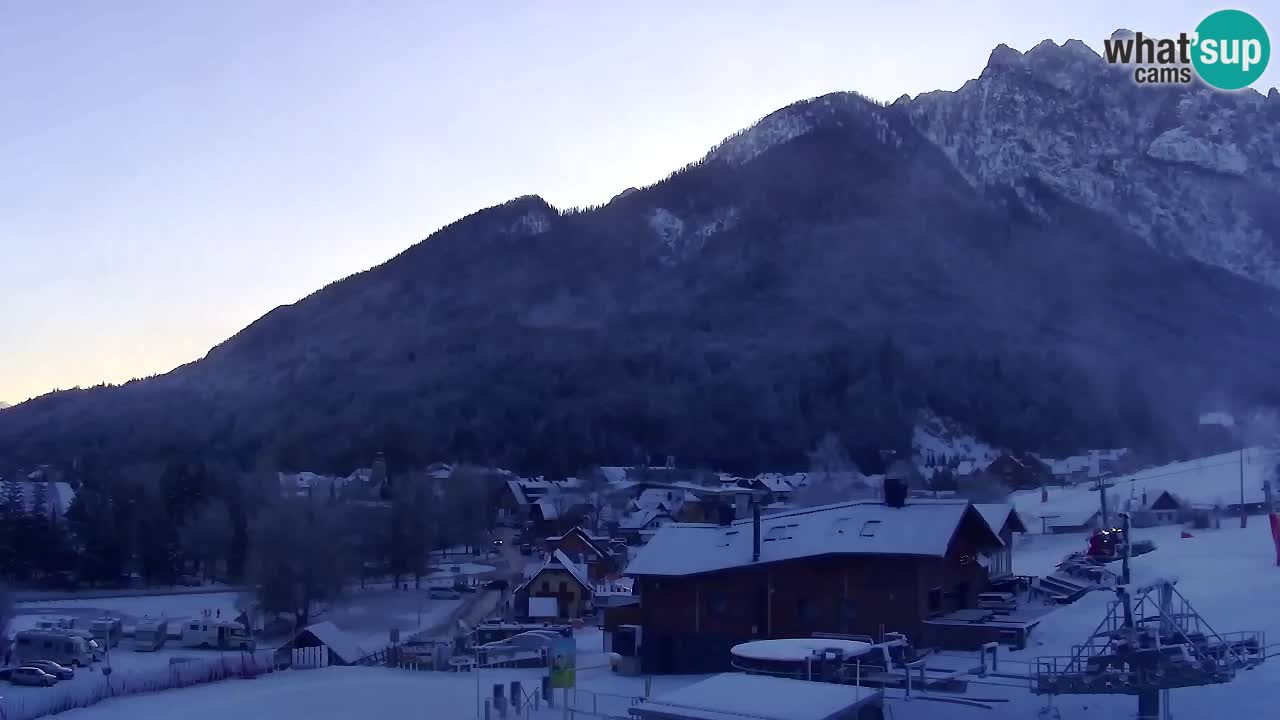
pixel 180 606
pixel 1229 575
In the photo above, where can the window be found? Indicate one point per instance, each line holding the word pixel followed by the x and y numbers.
pixel 717 603
pixel 564 586
pixel 807 610
pixel 194 626
pixel 546 585
pixel 869 528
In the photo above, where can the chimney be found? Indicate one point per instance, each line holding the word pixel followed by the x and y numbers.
pixel 895 492
pixel 755 532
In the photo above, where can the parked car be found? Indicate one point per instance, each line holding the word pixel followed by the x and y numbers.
pixel 526 549
pixel 59 671
pixel 444 594
pixel 464 588
pixel 27 675
pixel 496 585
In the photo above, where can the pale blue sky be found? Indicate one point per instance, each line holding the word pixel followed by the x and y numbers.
pixel 170 171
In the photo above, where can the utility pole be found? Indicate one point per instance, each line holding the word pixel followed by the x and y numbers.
pixel 1244 517
pixel 1102 490
pixel 1128 553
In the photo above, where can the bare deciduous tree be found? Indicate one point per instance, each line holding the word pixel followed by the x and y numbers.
pixel 300 556
pixel 6 614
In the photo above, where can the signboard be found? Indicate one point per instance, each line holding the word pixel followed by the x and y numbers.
pixel 564 660
pixel 1275 534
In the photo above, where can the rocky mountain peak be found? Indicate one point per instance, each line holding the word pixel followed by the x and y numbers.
pixel 1191 171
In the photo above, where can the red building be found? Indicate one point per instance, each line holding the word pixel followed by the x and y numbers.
pixel 854 568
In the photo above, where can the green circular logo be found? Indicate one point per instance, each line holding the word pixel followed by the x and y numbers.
pixel 1232 49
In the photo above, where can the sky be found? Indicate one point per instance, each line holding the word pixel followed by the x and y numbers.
pixel 170 172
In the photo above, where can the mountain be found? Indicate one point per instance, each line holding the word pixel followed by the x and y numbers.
pixel 1034 256
pixel 4 405
pixel 1193 173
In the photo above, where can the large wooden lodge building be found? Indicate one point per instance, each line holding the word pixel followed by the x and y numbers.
pixel 864 568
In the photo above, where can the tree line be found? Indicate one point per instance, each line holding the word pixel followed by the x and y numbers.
pixel 156 523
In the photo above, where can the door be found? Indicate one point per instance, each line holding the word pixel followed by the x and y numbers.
pixel 762 611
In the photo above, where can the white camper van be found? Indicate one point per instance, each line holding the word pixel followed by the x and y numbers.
pixel 150 634
pixel 58 646
pixel 107 631
pixel 206 632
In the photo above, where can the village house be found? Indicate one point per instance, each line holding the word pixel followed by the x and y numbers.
pixel 854 568
pixel 1072 470
pixel 592 552
pixel 559 589
pixel 1018 472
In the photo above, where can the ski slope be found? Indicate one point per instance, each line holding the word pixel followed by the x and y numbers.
pixel 1212 480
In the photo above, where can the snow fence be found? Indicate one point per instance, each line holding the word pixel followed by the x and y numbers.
pixel 91 687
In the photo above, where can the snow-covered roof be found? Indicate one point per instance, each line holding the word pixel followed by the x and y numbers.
pixel 777 482
pixel 1074 517
pixel 995 514
pixel 517 492
pixel 338 641
pixel 922 527
pixel 743 696
pixel 641 518
pixel 797 649
pixel 560 561
pixel 614 474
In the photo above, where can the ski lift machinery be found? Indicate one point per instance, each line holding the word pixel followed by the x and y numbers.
pixel 1150 641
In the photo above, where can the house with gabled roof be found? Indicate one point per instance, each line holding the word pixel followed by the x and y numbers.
pixel 561 579
pixel 851 568
pixel 1004 521
pixel 588 551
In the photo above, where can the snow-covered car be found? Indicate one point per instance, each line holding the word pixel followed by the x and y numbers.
pixel 51 667
pixel 32 676
pixel 444 594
